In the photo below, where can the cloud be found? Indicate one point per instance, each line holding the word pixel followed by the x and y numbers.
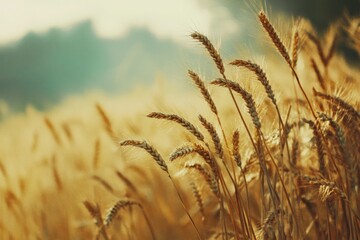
pixel 112 18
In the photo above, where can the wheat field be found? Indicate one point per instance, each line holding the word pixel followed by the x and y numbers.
pixel 266 149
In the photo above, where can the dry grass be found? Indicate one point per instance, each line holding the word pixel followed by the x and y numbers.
pixel 295 174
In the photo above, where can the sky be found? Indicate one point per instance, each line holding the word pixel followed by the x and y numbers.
pixel 51 49
pixel 172 19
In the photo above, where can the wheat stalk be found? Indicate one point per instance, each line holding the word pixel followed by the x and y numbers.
pixel 318 74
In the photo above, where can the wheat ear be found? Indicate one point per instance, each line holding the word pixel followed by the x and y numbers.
pixel 327 189
pixel 181 152
pixel 274 37
pixel 175 118
pixel 211 181
pixel 113 211
pixel 248 98
pixel 201 151
pixel 160 161
pixel 151 150
pixel 199 199
pixel 319 146
pixel 267 229
pixel 121 204
pixel 105 119
pixel 214 136
pixel 261 76
pixel 52 130
pixel 236 154
pixel 339 103
pixel 56 174
pixel 200 84
pixel 211 49
pixel 95 212
pixel 96 156
pixel 295 45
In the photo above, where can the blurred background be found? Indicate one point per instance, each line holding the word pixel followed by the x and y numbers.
pixel 50 50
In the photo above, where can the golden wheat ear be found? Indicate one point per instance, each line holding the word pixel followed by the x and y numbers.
pixel 210 179
pixel 267 229
pixel 261 76
pixel 200 84
pixel 49 124
pixel 181 152
pixel 319 146
pixel 105 119
pixel 248 98
pixel 151 150
pixel 183 122
pixel 95 212
pixel 295 48
pixel 214 136
pixel 235 152
pixel 114 210
pixel 338 102
pixel 268 27
pixel 211 49
pixel 160 161
pixel 328 190
pixel 199 199
pixel 96 155
pixel 56 175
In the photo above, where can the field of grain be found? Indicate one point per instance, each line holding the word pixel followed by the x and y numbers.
pixel 266 149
